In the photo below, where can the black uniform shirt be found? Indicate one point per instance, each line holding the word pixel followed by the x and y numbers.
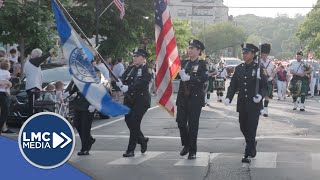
pixel 244 82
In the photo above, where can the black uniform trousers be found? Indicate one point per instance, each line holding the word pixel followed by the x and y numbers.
pixel 188 114
pixel 33 94
pixel 83 122
pixel 133 120
pixel 248 126
pixel 4 105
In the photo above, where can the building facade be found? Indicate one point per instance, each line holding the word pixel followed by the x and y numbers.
pixel 209 11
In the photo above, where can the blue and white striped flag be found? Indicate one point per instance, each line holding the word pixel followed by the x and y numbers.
pixel 82 71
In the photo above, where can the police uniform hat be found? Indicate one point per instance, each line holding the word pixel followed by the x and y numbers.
pixel 196 43
pixel 265 48
pixel 300 53
pixel 248 47
pixel 141 52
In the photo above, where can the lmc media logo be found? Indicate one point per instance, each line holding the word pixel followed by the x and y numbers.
pixel 46 140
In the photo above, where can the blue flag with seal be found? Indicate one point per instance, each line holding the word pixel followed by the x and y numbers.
pixel 83 74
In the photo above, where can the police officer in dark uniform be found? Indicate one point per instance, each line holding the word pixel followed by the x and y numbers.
pixel 83 116
pixel 136 79
pixel 190 98
pixel 249 102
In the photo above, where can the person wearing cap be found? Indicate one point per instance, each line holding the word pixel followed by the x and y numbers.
pixel 270 69
pixel 248 103
pixel 299 71
pixel 134 84
pixel 190 99
pixel 222 74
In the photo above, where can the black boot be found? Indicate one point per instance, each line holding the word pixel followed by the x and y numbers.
pixel 144 145
pixel 83 153
pixel 184 151
pixel 192 156
pixel 92 141
pixel 246 159
pixel 128 154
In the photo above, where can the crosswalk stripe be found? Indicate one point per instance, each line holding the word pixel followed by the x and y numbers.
pixel 264 160
pixel 137 159
pixel 203 159
pixel 315 161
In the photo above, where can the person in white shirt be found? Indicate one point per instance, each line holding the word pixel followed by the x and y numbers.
pixel 118 70
pixel 4 91
pixel 222 74
pixel 32 71
pixel 271 71
pixel 299 70
pixel 314 77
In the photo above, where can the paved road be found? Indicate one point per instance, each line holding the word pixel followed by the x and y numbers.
pixel 288 146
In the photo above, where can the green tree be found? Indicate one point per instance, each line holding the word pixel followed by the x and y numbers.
pixel 309 32
pixel 122 35
pixel 221 36
pixel 28 23
pixel 276 31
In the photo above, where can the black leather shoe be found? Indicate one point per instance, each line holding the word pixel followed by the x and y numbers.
pixel 184 151
pixel 144 146
pixel 128 154
pixel 192 156
pixel 91 143
pixel 83 153
pixel 246 159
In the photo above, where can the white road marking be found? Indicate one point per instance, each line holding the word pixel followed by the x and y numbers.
pixel 264 160
pixel 137 159
pixel 315 161
pixel 217 138
pixel 117 120
pixel 202 160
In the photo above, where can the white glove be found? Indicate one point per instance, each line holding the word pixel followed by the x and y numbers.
pixel 119 84
pixel 66 94
pixel 257 98
pixel 270 78
pixel 124 88
pixel 91 109
pixel 226 101
pixel 185 77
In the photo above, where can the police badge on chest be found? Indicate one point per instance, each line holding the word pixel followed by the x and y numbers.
pixel 253 72
pixel 139 72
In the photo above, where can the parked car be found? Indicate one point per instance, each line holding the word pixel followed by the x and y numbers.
pixel 231 64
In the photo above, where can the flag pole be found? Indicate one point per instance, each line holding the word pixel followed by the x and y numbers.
pixel 106 9
pixel 87 39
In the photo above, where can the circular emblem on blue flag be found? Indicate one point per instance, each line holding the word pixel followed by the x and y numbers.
pixel 46 140
pixel 81 68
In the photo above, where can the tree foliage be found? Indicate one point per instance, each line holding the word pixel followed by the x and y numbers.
pixel 220 36
pixel 279 32
pixel 309 32
pixel 29 24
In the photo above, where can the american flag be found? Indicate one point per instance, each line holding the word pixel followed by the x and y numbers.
pixel 168 61
pixel 120 5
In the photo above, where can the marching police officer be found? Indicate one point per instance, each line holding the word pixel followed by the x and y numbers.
pixel 249 102
pixel 83 116
pixel 136 79
pixel 190 98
